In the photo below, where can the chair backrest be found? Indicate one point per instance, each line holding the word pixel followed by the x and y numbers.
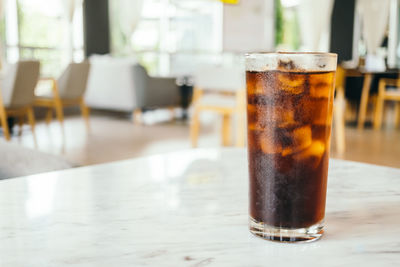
pixel 72 82
pixel 19 84
pixel 220 78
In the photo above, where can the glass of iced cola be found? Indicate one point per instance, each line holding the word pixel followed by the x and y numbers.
pixel 289 112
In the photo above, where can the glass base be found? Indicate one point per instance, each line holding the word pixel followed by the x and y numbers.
pixel 279 234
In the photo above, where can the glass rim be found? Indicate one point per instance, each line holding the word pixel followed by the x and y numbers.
pixel 271 54
pixel 291 61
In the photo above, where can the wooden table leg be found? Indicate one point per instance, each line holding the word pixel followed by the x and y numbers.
pixel 226 129
pixel 3 118
pixel 397 115
pixel 364 100
pixel 195 127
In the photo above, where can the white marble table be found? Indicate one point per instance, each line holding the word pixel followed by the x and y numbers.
pixel 188 209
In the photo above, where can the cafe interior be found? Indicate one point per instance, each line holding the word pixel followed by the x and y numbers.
pixel 96 54
pixel 90 83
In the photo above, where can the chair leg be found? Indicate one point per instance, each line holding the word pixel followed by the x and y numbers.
pixel 85 113
pixel 137 116
pixel 49 115
pixel 364 101
pixel 59 112
pixel 4 123
pixel 20 124
pixel 339 129
pixel 241 128
pixel 397 115
pixel 241 122
pixel 31 120
pixel 194 128
pixel 378 112
pixel 226 127
pixel 172 111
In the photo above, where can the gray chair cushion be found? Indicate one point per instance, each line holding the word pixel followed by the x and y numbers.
pixel 16 160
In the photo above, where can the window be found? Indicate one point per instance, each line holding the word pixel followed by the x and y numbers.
pixel 287 34
pixel 40 29
pixel 171 33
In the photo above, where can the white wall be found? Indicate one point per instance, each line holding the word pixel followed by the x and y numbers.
pixel 249 26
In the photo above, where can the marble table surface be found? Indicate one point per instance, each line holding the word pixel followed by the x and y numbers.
pixel 188 208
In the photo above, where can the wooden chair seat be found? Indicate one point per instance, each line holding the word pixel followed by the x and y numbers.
pixel 384 93
pixel 392 94
pixel 223 104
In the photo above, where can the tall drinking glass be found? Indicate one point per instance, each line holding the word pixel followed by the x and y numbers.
pixel 289 111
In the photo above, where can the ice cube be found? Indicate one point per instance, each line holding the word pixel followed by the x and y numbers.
pixel 256 117
pixel 261 116
pixel 301 138
pixel 317 111
pixel 321 132
pixel 279 114
pixel 251 117
pixel 269 141
pixel 321 84
pixel 293 83
pixel 313 153
pixel 322 112
pixel 261 83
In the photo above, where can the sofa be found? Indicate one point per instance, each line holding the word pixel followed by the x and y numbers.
pixel 121 84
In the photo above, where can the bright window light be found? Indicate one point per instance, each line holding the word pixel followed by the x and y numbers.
pixel 290 3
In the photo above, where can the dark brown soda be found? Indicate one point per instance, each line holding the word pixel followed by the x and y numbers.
pixel 289 126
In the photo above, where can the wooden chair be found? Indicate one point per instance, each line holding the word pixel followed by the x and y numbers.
pixel 384 94
pixel 339 107
pixel 220 90
pixel 67 91
pixel 17 94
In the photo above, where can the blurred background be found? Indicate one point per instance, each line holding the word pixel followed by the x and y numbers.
pixel 93 81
